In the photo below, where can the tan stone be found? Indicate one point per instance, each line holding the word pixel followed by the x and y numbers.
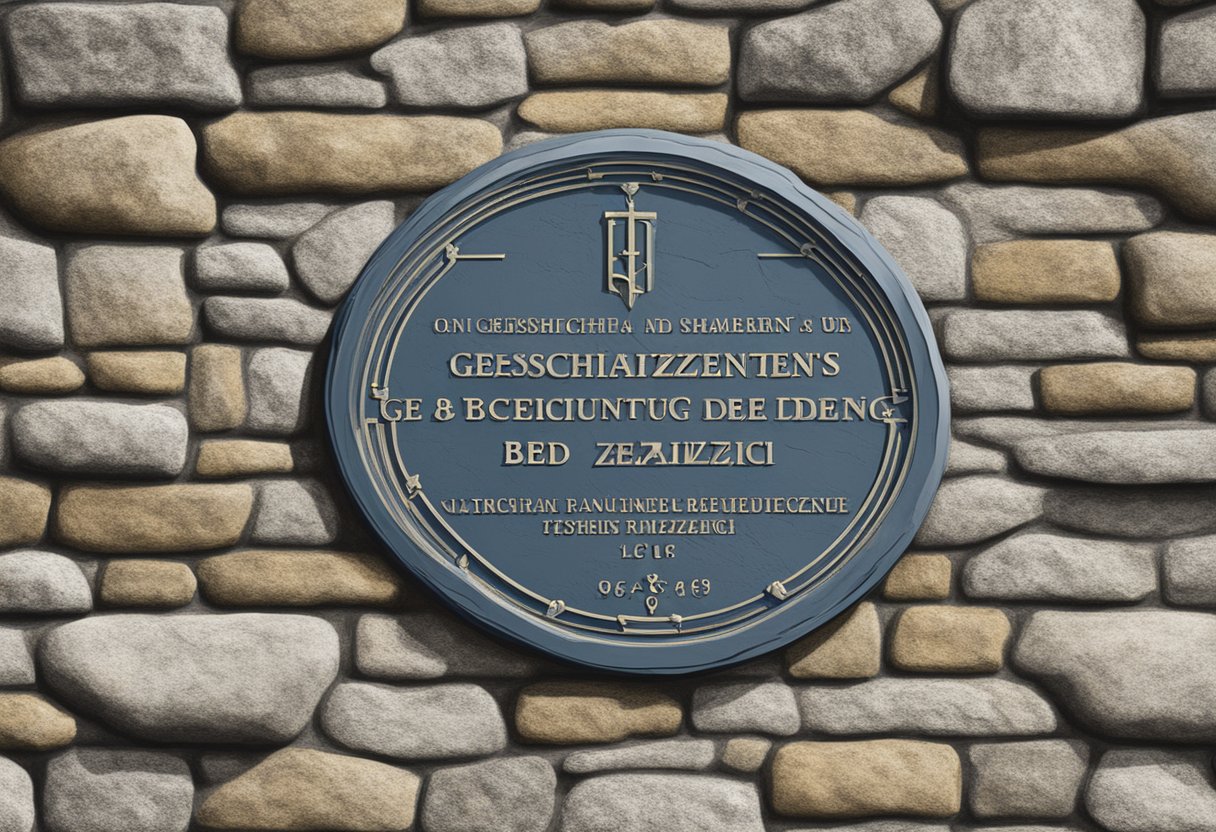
pixel 147 583
pixel 570 112
pixel 24 507
pixel 618 6
pixel 298 152
pixel 918 578
pixel 46 376
pixel 851 147
pixel 846 200
pixel 576 712
pixel 1116 387
pixel 150 373
pixel 950 639
pixel 644 52
pixel 1199 347
pixel 30 723
pixel 872 777
pixel 281 578
pixel 130 175
pixel 1045 271
pixel 1172 278
pixel 302 788
pixel 242 458
pixel 119 295
pixel 918 96
pixel 157 518
pixel 217 388
pixel 1175 155
pixel 476 8
pixel 315 28
pixel 745 754
pixel 848 647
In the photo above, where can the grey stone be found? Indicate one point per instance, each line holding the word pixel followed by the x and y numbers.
pixel 684 754
pixel 16 798
pixel 514 794
pixel 329 256
pixel 453 720
pixel 294 512
pixel 42 583
pixel 267 319
pixel 31 316
pixel 966 458
pixel 1052 567
pixel 241 267
pixel 1024 335
pixel 278 386
pixel 936 707
pixel 1003 212
pixel 273 221
pixel 1010 430
pixel 98 790
pixel 524 138
pixel 1041 58
pixel 86 54
pixel 16 659
pixel 127 294
pixel 767 708
pixel 926 240
pixel 94 437
pixel 1189 571
pixel 913 825
pixel 1135 514
pixel 971 509
pixel 472 66
pixel 1149 790
pixel 978 389
pixel 1142 674
pixel 1123 457
pixel 246 678
pixel 430 646
pixel 315 85
pixel 741 7
pixel 846 51
pixel 1184 62
pixel 1037 779
pixel 671 802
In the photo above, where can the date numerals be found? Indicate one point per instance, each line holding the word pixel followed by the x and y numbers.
pixel 641 551
pixel 652 588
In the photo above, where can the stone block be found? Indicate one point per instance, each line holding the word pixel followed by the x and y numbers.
pixel 944 639
pixel 1045 271
pixel 848 647
pixel 564 713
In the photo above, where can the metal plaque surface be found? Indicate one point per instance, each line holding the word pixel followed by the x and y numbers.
pixel 644 402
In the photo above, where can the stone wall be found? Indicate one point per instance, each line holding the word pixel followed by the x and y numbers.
pixel 196 632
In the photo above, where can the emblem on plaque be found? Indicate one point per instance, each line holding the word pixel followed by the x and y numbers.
pixel 631 254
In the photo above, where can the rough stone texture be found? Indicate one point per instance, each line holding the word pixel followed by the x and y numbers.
pixel 329 256
pixel 92 437
pixel 972 509
pixel 1199 347
pixel 274 221
pixel 918 578
pixel 217 388
pixel 848 647
pixel 927 241
pixel 1189 571
pixel 241 267
pixel 918 96
pixel 1184 45
pixel 1098 666
pixel 1136 789
pixel 437 722
pixel 251 678
pixel 308 85
pixel 745 754
pixel 673 802
pixel 278 382
pixel 1026 779
pixel 431 646
pixel 1110 388
pixel 45 376
pixel 1053 567
pixel 482 8
pixel 979 389
pixel 130 175
pixel 950 639
pixel 31 316
pixel 242 457
pixel 16 798
pixel 987 335
pixel 514 794
pixel 315 28
pixel 84 54
pixel 966 458
pixel 851 147
pixel 1136 514
pixel 1001 212
pixel 42 583
pixel 266 319
pixel 24 507
pixel 1126 457
pixel 30 723
pixel 96 790
pixel 473 66
pixel 680 754
pixel 731 707
pixel 1045 271
pixel 294 512
pixel 302 788
pixel 146 583
pixel 643 52
pixel 874 777
pixel 276 577
pixel 298 152
pixel 119 295
pixel 1172 278
pixel 147 373
pixel 16 659
pixel 580 110
pixel 1028 58
pixel 576 712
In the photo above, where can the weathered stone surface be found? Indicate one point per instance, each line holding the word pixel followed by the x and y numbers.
pixel 1027 779
pixel 1199 347
pixel 82 54
pixel 242 267
pixel 470 66
pixel 312 85
pixel 298 512
pixel 273 221
pixel 431 646
pixel 30 723
pixel 242 458
pixel 157 518
pixel 740 7
pixel 918 96
pixel 579 110
pixel 1037 58
pixel 1110 388
pixel 1045 271
pixel 1189 571
pixel 918 578
pixel 745 754
pixel 966 458
pixel 999 212
pixel 149 373
pixel 683 754
pixel 147 583
pixel 578 712
pixel 950 639
pixel 278 577
pixel 315 28
pixel 1123 457
pixel 1052 567
pixel 1172 277
pixel 31 316
pixel 130 175
pixel 251 678
pixel 16 798
pixel 40 376
pixel 480 8
pixel 979 389
pixel 329 256
pixel 926 240
pixel 766 708
pixel 127 295
pixel 672 802
pixel 278 381
pixel 217 388
pixel 1174 155
pixel 971 509
pixel 16 659
pixel 643 52
pixel 1139 789
pixel 97 790
pixel 302 788
pixel 987 335
pixel 1135 514
pixel 42 583
pixel 1097 664
pixel 873 777
pixel 846 51
pixel 94 437
pixel 934 707
pixel 848 647
pixel 24 507
pixel 455 720
pixel 299 152
pixel 514 794
pixel 851 147
pixel 266 319
pixel 1184 46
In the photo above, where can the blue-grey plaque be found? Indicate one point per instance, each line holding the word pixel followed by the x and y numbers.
pixel 644 402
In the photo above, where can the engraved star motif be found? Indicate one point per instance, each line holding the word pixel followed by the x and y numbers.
pixel 413 484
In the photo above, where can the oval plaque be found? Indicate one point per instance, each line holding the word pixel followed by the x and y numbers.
pixel 644 402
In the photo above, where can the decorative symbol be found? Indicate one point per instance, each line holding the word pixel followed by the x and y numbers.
pixel 638 275
pixel 652 603
pixel 777 590
pixel 556 608
pixel 413 485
